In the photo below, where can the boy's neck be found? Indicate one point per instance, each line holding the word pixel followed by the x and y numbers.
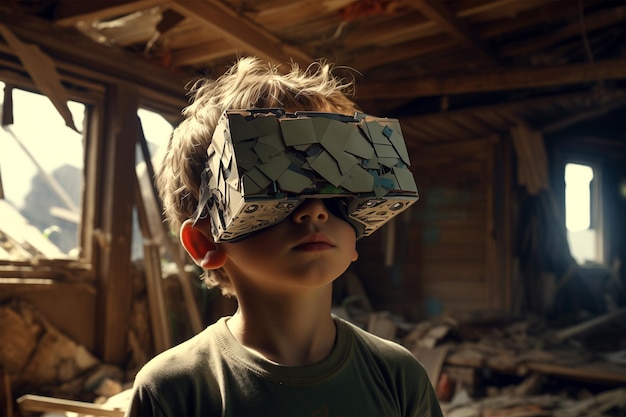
pixel 291 330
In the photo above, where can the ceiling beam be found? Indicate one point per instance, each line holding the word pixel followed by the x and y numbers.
pixel 201 53
pixel 593 22
pixel 437 11
pixel 595 112
pixel 69 12
pixel 367 59
pixel 240 31
pixel 518 106
pixel 518 78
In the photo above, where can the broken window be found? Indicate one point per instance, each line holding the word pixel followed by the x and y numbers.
pixel 41 177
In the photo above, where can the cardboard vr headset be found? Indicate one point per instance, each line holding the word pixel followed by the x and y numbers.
pixel 263 163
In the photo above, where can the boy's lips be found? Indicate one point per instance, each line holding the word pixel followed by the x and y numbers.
pixel 317 241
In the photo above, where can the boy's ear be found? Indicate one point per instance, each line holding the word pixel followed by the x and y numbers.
pixel 200 246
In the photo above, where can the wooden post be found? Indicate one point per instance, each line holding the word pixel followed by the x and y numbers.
pixel 114 233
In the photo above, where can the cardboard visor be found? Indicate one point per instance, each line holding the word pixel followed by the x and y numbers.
pixel 263 163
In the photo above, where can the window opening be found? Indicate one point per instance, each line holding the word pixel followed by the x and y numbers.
pixel 157 131
pixel 41 160
pixel 581 211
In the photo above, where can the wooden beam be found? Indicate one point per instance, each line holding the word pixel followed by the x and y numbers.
pixel 240 31
pixel 588 325
pixel 592 113
pixel 69 12
pixel 593 22
pixel 43 72
pixel 612 97
pixel 478 8
pixel 437 11
pixel 203 52
pixel 41 404
pixel 519 78
pixel 367 59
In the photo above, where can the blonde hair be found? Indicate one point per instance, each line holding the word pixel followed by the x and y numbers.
pixel 249 83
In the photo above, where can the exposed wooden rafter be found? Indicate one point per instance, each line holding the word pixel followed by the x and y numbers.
pixel 200 53
pixel 69 13
pixel 437 12
pixel 505 80
pixel 240 31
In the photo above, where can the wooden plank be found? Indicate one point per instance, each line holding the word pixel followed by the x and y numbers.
pixel 484 114
pixel 399 52
pixel 474 128
pixel 43 72
pixel 457 28
pixel 589 325
pixel 500 228
pixel 593 21
pixel 596 372
pixel 300 15
pixel 202 52
pixel 5 387
pixel 161 332
pixel 433 360
pixel 159 317
pixel 427 40
pixel 599 372
pixel 381 325
pixel 70 13
pixel 427 127
pixel 42 404
pixel 448 131
pixel 406 27
pixel 447 150
pixel 491 256
pixel 595 112
pixel 532 158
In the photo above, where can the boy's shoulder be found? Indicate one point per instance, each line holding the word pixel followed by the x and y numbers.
pixel 375 345
pixel 399 370
pixel 182 360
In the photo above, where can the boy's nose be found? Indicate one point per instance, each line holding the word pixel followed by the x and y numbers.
pixel 312 210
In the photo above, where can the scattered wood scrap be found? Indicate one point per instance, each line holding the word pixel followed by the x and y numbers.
pixel 37 358
pixel 479 367
pixel 608 403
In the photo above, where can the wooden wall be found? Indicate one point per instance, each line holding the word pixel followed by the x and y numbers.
pixel 449 255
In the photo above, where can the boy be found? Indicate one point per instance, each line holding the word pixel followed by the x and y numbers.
pixel 282 353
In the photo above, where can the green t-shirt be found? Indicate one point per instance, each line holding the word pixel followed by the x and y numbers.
pixel 211 374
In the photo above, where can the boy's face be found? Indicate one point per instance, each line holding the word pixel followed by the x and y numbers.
pixel 310 248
